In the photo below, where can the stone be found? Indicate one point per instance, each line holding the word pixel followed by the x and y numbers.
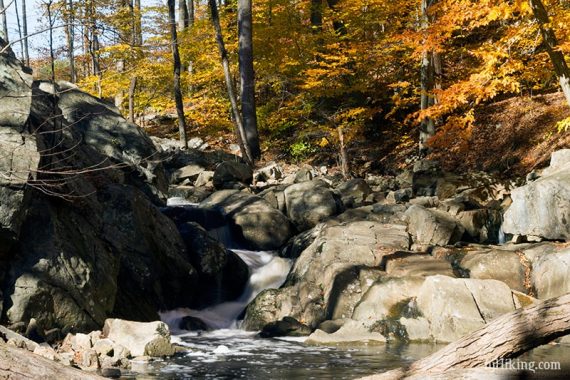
pixel 205 179
pixel 416 265
pixel 505 266
pixel 46 351
pixel 541 208
pixel 140 338
pixel 309 203
pixel 455 307
pixel 81 342
pixel 551 274
pixel 111 373
pixel 303 175
pixel 350 333
pixel 325 281
pixel 252 219
pixel 18 340
pixel 231 175
pixel 433 227
pixel 482 225
pixel 399 196
pixel 189 172
pixel 104 347
pixel 286 327
pixel 272 171
pixel 354 192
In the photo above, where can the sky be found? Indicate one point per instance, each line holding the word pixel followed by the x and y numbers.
pixel 37 20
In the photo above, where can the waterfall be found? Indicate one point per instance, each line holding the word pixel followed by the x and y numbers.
pixel 267 270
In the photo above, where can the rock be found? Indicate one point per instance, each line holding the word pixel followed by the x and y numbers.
pixel 104 347
pixel 231 175
pixel 433 227
pixel 188 172
pixel 18 340
pixel 425 178
pixel 140 338
pixel 222 274
pixel 558 160
pixel 354 192
pixel 324 280
pixel 350 333
pixel 551 274
pixel 384 295
pixel 81 342
pixel 420 265
pixel 253 221
pixel 205 179
pixel 538 208
pixel 271 171
pixel 399 196
pixel 86 359
pixel 455 307
pixel 498 265
pixel 331 326
pixel 275 196
pixel 286 327
pixel 190 323
pixel 481 225
pixel 112 373
pixel 309 203
pixel 304 174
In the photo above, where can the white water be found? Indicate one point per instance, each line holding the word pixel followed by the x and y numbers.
pixel 267 270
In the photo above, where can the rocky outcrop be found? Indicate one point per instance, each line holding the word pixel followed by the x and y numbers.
pixel 141 339
pixel 322 280
pixel 309 203
pixel 433 227
pixel 541 207
pixel 252 220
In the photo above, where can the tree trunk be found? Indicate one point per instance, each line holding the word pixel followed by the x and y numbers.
pixel 246 152
pixel 20 28
pixel 18 363
pixel 343 156
pixel 551 43
pixel 70 37
pixel 427 98
pixel 317 15
pixel 505 337
pixel 183 17
pixel 132 89
pixel 177 65
pixel 4 22
pixel 247 76
pixel 191 12
pixel 25 32
pixel 138 23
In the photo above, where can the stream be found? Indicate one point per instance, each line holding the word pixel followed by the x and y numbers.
pixel 228 352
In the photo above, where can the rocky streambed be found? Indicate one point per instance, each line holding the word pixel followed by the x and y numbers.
pixel 87 238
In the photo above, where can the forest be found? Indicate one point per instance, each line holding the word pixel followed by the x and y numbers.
pixel 285 189
pixel 398 73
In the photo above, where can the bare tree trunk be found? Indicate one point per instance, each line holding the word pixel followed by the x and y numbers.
pixel 343 156
pixel 246 152
pixel 551 43
pixel 427 127
pixel 247 77
pixel 182 15
pixel 191 13
pixel 25 32
pixel 70 38
pixel 317 15
pixel 19 29
pixel 138 23
pixel 176 59
pixel 132 89
pixel 505 337
pixel 4 22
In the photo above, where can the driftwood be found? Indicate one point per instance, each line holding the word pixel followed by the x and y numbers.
pixel 17 363
pixel 505 337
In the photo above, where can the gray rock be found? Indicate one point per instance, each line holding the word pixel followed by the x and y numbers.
pixel 252 219
pixel 271 171
pixel 231 175
pixel 417 265
pixel 399 196
pixel 551 274
pixel 304 175
pixel 498 265
pixel 455 307
pixel 286 327
pixel 482 225
pixel 323 283
pixel 309 203
pixel 205 178
pixel 542 208
pixel 352 332
pixel 354 192
pixel 188 172
pixel 433 227
pixel 150 338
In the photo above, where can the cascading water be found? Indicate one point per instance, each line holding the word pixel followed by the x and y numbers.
pixel 267 270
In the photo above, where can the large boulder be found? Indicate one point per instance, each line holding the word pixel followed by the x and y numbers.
pixel 551 274
pixel 455 307
pixel 354 192
pixel 253 221
pixel 541 208
pixel 141 339
pixel 232 175
pixel 309 203
pixel 90 241
pixel 323 283
pixel 432 227
pixel 497 264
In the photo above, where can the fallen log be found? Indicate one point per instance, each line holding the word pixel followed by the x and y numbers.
pixel 505 337
pixel 17 363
